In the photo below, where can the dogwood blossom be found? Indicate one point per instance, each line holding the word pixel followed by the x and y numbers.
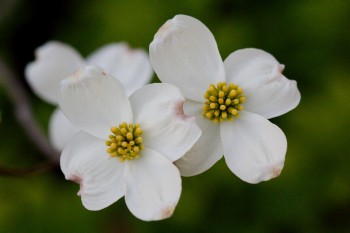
pixel 56 61
pixel 125 146
pixel 231 100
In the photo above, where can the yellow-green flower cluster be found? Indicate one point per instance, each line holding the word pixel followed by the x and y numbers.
pixel 223 102
pixel 125 141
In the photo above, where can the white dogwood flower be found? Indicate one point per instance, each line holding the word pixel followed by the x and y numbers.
pixel 126 146
pixel 56 61
pixel 184 53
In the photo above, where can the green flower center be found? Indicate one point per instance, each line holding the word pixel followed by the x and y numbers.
pixel 125 141
pixel 223 102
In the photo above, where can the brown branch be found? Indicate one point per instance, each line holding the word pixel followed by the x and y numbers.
pixel 24 114
pixel 34 170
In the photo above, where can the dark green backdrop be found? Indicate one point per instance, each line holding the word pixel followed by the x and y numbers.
pixel 312 38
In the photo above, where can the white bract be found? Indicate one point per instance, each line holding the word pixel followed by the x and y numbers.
pixel 125 146
pixel 184 53
pixel 56 61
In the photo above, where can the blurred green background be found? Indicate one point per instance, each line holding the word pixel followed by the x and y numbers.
pixel 312 38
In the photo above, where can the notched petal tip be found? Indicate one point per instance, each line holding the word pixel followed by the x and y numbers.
pixel 267 172
pixel 275 172
pixel 280 68
pixel 164 31
pixel 74 78
pixel 255 149
pixel 184 53
pixel 84 72
pixel 53 62
pixel 178 110
pixel 171 27
pixel 277 71
pixel 168 212
pixel 272 171
pixel 79 180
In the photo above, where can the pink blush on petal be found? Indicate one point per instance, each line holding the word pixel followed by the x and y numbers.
pixel 78 180
pixel 179 111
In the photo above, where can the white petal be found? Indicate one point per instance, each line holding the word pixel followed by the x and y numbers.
pixel 85 161
pixel 153 186
pixel 207 150
pixel 130 66
pixel 61 130
pixel 259 74
pixel 254 148
pixel 94 101
pixel 54 62
pixel 184 53
pixel 158 108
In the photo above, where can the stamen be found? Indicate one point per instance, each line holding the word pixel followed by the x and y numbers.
pixel 223 102
pixel 125 141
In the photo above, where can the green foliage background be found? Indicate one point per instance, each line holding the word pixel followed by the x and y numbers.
pixel 312 38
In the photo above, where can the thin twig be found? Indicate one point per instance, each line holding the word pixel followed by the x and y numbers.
pixel 34 170
pixel 24 113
